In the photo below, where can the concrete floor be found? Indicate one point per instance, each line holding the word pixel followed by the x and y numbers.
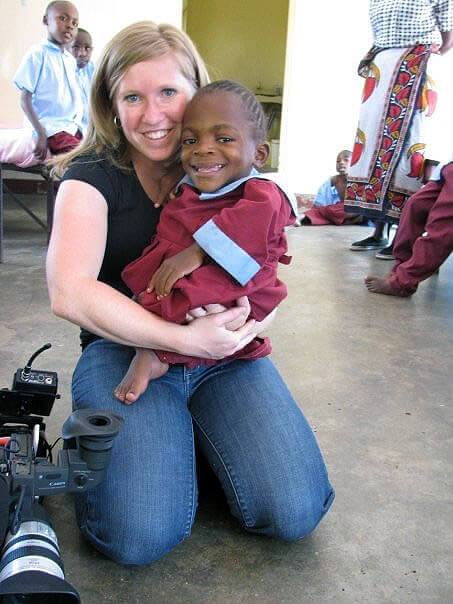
pixel 373 375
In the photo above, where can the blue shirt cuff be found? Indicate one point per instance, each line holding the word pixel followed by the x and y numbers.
pixel 228 254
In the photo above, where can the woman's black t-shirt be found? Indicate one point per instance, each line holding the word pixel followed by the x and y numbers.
pixel 132 217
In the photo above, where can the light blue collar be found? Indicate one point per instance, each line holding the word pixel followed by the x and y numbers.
pixel 224 190
pixel 235 184
pixel 54 46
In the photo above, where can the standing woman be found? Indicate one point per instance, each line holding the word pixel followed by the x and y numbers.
pixel 240 413
pixel 398 96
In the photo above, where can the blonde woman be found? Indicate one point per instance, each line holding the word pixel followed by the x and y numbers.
pixel 240 413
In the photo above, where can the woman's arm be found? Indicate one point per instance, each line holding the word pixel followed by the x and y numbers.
pixel 74 258
pixel 447 41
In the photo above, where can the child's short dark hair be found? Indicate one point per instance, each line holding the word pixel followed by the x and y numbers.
pixel 53 4
pixel 254 109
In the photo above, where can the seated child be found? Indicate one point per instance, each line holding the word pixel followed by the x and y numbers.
pixel 424 239
pixel 328 207
pixel 82 48
pixel 50 96
pixel 221 237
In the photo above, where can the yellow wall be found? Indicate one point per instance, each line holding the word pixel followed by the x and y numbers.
pixel 21 26
pixel 243 40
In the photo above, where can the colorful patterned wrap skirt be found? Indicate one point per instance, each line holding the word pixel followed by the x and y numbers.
pixel 388 153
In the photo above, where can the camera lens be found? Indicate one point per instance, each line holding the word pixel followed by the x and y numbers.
pixel 34 546
pixel 31 569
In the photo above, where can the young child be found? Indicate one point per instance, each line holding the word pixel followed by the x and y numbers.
pixel 424 239
pixel 82 48
pixel 328 207
pixel 333 190
pixel 50 96
pixel 221 237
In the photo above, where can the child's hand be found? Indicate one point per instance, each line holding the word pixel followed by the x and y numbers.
pixel 160 203
pixel 168 189
pixel 174 268
pixel 163 202
pixel 40 151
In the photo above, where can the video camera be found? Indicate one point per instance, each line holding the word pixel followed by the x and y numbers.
pixel 31 569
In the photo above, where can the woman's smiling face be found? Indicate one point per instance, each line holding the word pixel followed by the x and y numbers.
pixel 150 102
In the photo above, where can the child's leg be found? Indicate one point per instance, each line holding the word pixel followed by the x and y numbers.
pixel 145 366
pixel 430 250
pixel 413 221
pixel 433 216
pixel 416 257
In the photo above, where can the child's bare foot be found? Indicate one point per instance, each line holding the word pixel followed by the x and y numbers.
pixel 145 366
pixel 382 285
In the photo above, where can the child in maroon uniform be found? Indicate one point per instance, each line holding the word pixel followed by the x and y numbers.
pixel 424 239
pixel 221 237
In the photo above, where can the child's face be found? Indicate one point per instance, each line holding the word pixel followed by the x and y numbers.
pixel 343 163
pixel 82 49
pixel 218 145
pixel 62 22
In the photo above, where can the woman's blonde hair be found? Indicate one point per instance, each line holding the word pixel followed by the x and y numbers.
pixel 136 43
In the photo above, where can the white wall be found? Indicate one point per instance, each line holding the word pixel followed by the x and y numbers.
pixel 21 26
pixel 322 90
pixel 326 40
pixel 440 125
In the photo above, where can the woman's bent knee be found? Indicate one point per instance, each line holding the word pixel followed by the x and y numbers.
pixel 292 521
pixel 126 544
pixel 129 551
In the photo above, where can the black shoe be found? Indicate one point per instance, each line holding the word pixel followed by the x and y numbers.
pixel 370 243
pixel 386 253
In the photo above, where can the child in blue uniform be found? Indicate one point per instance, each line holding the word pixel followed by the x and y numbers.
pixel 328 206
pixel 82 48
pixel 50 96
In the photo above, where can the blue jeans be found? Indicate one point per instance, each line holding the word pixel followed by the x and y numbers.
pixel 250 430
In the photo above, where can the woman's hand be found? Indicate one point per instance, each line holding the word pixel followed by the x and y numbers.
pixel 243 331
pixel 211 309
pixel 243 301
pixel 210 337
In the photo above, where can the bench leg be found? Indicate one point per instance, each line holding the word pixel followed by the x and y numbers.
pixel 51 186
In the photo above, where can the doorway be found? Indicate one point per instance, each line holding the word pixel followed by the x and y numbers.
pixel 245 42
